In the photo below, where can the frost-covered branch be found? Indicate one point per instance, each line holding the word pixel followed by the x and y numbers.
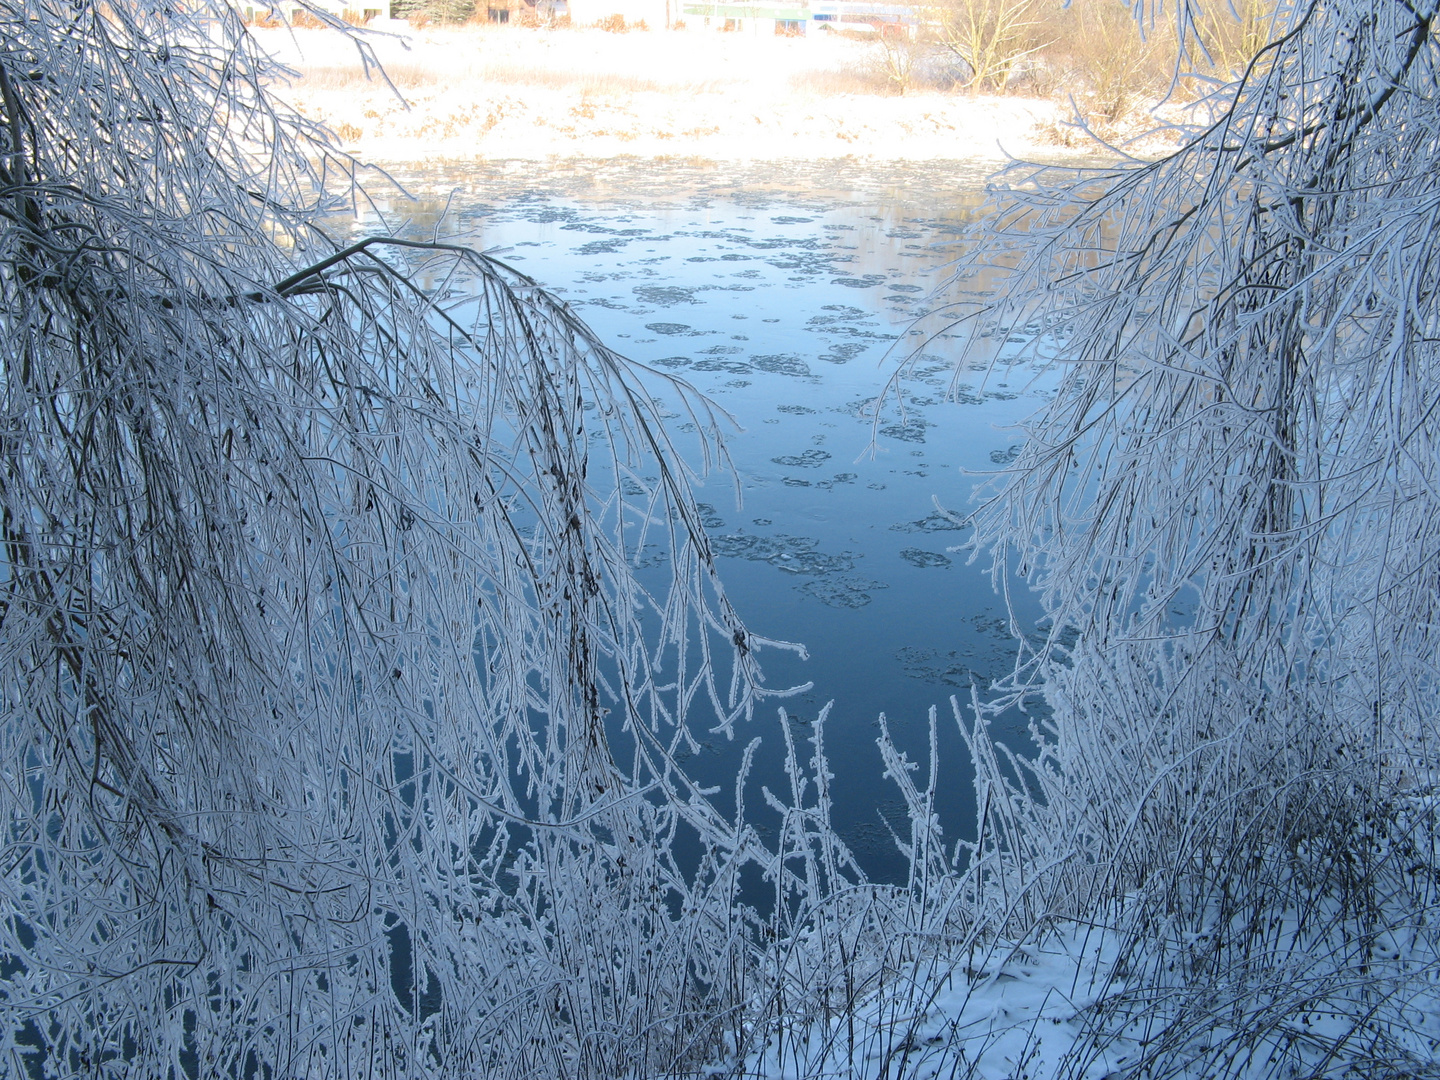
pixel 1230 512
pixel 338 724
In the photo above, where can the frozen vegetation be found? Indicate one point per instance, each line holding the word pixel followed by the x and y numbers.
pixel 341 731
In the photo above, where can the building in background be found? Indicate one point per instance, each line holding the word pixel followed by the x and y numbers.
pixel 287 11
pixel 795 18
pixel 816 16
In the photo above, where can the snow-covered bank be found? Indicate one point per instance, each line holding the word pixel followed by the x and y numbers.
pixel 1022 1013
pixel 534 94
pixel 1090 1002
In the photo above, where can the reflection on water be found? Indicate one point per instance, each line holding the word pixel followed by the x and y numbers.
pixel 787 294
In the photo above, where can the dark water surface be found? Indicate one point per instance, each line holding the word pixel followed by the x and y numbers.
pixel 790 294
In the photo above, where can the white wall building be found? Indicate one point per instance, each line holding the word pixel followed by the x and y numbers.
pixel 798 16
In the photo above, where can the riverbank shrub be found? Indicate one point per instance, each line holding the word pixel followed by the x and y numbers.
pixel 422 13
pixel 1230 512
pixel 337 732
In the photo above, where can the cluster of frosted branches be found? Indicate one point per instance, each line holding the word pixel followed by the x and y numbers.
pixel 339 721
pixel 338 724
pixel 1231 510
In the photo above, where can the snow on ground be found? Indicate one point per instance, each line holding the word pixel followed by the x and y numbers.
pixel 1326 1004
pixel 514 93
pixel 1018 1016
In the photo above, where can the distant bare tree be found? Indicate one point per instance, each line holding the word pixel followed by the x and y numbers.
pixel 1228 34
pixel 990 37
pixel 897 56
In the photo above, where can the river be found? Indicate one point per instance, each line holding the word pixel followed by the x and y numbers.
pixel 790 294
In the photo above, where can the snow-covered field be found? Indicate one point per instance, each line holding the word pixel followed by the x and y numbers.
pixel 530 94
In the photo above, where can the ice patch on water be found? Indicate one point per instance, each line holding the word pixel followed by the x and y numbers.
pixel 924 559
pixel 989 655
pixel 810 459
pixel 842 592
pixel 709 516
pixel 592 227
pixel 1006 456
pixel 951 668
pixel 781 364
pixel 843 352
pixel 793 554
pixel 601 247
pixel 936 522
pixel 859 333
pixel 839 313
pixel 666 295
pixel 911 429
pixel 548 216
pixel 730 367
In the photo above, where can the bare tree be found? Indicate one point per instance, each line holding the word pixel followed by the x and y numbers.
pixel 1230 511
pixel 990 37
pixel 897 56
pixel 338 726
pixel 1228 34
